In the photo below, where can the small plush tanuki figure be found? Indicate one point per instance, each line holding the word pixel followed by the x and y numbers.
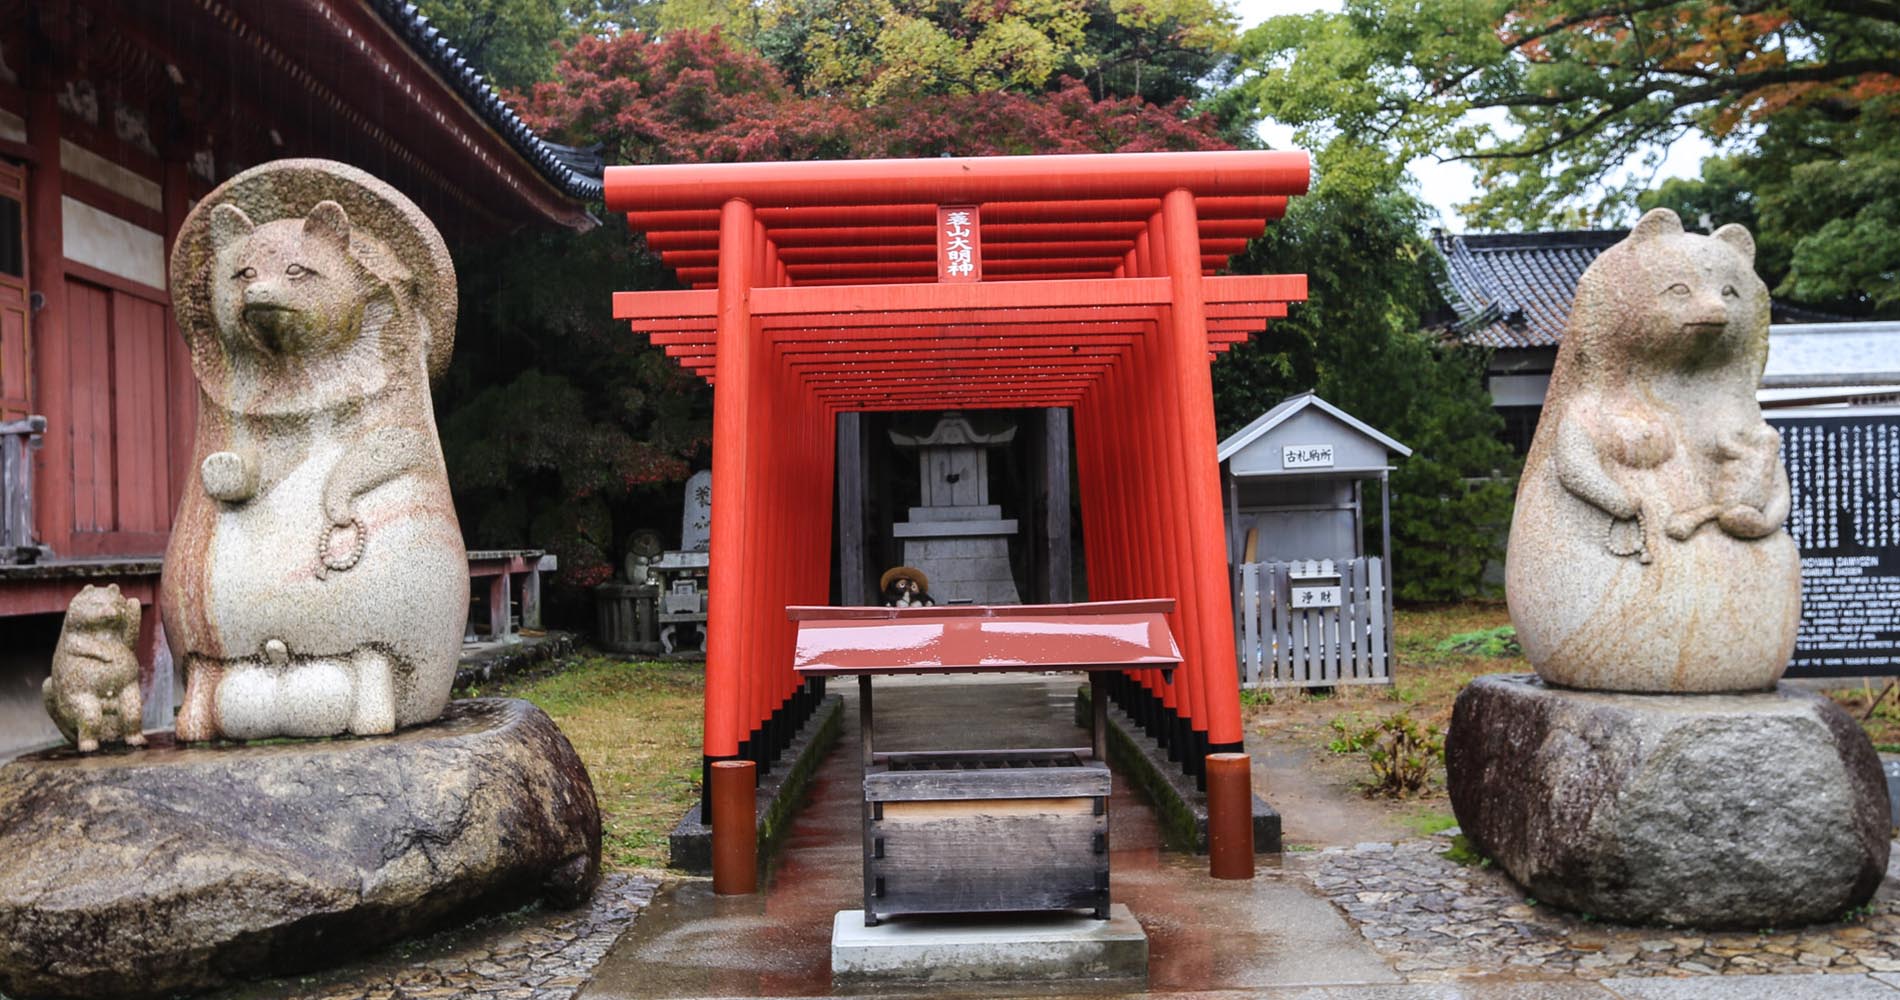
pixel 1647 552
pixel 316 583
pixel 93 694
pixel 905 587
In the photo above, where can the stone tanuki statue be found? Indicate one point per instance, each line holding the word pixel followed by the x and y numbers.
pixel 93 694
pixel 1647 552
pixel 316 582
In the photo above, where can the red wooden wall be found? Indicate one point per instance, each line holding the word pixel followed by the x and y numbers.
pixel 118 426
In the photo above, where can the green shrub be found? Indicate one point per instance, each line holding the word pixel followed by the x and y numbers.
pixel 1401 753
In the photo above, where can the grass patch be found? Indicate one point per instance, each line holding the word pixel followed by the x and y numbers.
pixel 1883 722
pixel 1437 650
pixel 1494 642
pixel 637 728
pixel 1426 822
pixel 1461 852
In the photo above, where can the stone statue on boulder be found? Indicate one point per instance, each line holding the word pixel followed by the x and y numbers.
pixel 93 694
pixel 1654 771
pixel 316 583
pixel 1647 552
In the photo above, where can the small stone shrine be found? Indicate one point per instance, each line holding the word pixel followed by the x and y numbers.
pixel 316 586
pixel 1653 771
pixel 957 538
pixel 681 573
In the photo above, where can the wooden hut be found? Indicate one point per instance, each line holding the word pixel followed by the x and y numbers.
pixel 1312 607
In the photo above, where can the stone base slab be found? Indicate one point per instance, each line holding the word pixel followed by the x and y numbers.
pixel 174 869
pixel 1011 948
pixel 1738 810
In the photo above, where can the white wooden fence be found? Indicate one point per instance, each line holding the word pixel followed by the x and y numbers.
pixel 1315 647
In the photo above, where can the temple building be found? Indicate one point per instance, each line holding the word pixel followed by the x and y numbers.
pixel 115 117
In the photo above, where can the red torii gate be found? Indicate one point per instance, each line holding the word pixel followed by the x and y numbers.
pixel 815 289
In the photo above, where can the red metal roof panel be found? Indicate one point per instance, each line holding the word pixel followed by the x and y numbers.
pixel 962 639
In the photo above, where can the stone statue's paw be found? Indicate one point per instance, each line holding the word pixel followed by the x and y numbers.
pixel 228 477
pixel 309 698
pixel 1744 521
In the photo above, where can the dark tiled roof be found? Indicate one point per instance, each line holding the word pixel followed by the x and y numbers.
pixel 554 162
pixel 1515 289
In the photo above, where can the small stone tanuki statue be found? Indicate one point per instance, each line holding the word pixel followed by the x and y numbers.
pixel 1647 552
pixel 905 587
pixel 93 694
pixel 316 582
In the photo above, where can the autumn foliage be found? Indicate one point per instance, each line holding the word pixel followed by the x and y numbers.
pixel 695 97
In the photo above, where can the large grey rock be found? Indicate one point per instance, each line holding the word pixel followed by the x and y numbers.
pixel 1755 810
pixel 171 869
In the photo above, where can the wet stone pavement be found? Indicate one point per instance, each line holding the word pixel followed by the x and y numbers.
pixel 531 954
pixel 1437 921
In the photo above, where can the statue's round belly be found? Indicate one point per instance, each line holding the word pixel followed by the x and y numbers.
pixel 1710 613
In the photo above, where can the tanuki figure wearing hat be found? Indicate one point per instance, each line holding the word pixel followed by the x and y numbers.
pixel 905 587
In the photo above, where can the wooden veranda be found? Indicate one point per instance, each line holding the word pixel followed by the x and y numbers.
pixel 1086 282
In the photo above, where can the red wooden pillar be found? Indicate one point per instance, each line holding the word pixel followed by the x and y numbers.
pixel 46 264
pixel 1167 450
pixel 763 452
pixel 1201 482
pixel 1159 445
pixel 726 723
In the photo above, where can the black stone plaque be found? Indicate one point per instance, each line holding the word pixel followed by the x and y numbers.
pixel 1844 474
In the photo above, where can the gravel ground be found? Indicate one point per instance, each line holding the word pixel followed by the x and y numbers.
pixel 1436 920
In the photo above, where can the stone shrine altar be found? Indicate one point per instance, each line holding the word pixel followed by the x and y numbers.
pixel 957 537
pixel 1653 771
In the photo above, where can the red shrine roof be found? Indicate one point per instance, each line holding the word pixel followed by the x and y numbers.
pixel 845 274
pixel 969 639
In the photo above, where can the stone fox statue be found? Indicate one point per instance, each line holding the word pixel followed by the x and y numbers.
pixel 93 694
pixel 316 582
pixel 1647 551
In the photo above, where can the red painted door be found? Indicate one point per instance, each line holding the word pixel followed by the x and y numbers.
pixel 119 422
pixel 15 375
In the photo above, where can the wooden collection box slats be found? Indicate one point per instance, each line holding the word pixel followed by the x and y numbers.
pixel 977 833
pixel 952 831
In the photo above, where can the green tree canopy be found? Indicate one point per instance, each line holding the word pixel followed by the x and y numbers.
pixel 1561 103
pixel 1357 341
pixel 510 41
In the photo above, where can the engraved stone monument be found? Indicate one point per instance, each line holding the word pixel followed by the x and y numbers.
pixel 956 536
pixel 1653 771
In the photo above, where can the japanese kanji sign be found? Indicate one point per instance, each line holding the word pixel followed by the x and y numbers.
pixel 959 243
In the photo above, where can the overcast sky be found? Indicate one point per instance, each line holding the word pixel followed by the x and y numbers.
pixel 1443 185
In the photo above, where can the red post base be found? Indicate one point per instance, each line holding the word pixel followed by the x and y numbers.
pixel 735 828
pixel 1229 815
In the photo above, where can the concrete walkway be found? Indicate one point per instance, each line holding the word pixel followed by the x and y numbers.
pixel 1277 937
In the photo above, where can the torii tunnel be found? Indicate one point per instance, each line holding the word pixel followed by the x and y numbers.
pixel 1087 282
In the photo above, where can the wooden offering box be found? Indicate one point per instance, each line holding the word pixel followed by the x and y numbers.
pixel 969 831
